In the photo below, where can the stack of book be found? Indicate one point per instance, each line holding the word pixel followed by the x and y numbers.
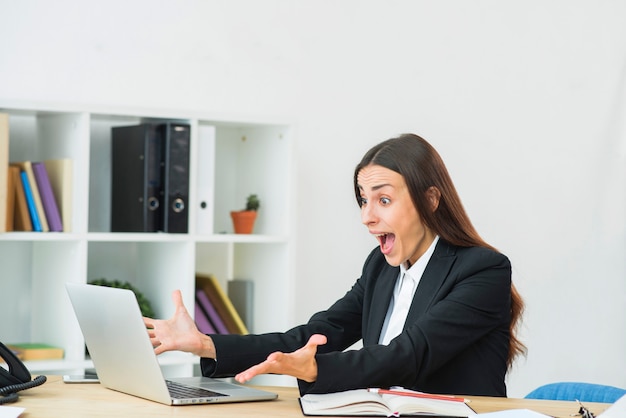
pixel 34 195
pixel 214 310
pixel 35 351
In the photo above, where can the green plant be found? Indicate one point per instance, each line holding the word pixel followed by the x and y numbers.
pixel 253 202
pixel 144 303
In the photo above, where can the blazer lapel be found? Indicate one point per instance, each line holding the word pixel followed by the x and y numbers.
pixel 380 303
pixel 434 276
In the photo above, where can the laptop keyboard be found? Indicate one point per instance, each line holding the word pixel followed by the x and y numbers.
pixel 180 391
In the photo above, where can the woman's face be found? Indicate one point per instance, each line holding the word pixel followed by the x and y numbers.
pixel 389 214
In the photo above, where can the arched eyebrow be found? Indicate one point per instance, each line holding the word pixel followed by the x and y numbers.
pixel 377 187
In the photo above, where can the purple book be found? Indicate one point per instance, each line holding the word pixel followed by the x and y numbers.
pixel 48 200
pixel 202 322
pixel 205 304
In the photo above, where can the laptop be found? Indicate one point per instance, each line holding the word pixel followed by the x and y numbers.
pixel 124 359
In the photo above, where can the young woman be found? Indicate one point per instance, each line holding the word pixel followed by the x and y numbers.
pixel 434 306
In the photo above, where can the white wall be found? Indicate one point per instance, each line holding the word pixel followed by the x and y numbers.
pixel 524 100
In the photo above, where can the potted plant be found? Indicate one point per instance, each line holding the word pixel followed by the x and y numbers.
pixel 243 220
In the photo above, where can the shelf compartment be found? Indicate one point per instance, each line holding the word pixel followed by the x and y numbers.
pixel 39 136
pixel 36 301
pixel 253 160
pixel 266 265
pixel 154 268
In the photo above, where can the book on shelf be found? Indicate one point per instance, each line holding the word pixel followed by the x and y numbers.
pixel 36 351
pixel 209 314
pixel 37 196
pixel 60 173
pixel 27 167
pixel 21 215
pixel 48 199
pixel 30 201
pixel 202 321
pixel 13 174
pixel 241 293
pixel 368 402
pixel 4 172
pixel 222 303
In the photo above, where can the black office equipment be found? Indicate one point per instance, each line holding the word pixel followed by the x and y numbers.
pixel 16 378
pixel 150 177
pixel 136 156
pixel 175 138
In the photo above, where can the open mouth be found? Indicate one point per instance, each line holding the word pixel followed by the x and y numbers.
pixel 386 242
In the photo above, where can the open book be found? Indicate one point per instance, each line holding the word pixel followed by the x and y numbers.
pixel 364 402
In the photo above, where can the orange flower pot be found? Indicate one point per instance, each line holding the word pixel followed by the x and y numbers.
pixel 243 221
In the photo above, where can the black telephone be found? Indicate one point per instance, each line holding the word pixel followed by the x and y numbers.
pixel 16 379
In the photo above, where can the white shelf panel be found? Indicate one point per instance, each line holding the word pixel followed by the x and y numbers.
pixel 162 237
pixel 242 238
pixel 136 237
pixel 40 236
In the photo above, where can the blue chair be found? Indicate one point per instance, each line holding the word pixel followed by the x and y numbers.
pixel 571 391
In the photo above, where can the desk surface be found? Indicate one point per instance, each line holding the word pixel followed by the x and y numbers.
pixel 55 398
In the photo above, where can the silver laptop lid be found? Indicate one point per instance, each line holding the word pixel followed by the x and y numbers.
pixel 116 338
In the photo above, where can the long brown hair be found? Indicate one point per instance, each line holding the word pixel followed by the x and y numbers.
pixel 422 168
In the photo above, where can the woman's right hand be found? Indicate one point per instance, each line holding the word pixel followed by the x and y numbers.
pixel 179 332
pixel 300 364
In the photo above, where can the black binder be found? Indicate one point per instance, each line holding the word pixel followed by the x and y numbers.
pixel 175 176
pixel 136 184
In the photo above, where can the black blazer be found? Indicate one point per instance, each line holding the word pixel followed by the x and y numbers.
pixel 455 340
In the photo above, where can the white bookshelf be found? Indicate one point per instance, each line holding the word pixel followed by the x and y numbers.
pixel 230 159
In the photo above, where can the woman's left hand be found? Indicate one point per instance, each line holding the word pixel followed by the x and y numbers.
pixel 300 364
